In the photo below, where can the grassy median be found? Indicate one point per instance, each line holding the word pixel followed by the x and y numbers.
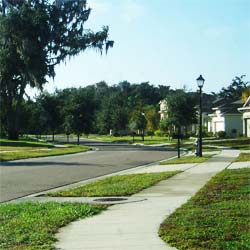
pixel 216 218
pixel 187 159
pixel 119 185
pixel 243 157
pixel 32 226
pixel 15 150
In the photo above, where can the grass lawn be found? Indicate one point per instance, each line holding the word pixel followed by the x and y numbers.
pixel 5 143
pixel 209 149
pixel 119 185
pixel 236 143
pixel 32 226
pixel 216 218
pixel 14 150
pixel 187 159
pixel 148 140
pixel 243 157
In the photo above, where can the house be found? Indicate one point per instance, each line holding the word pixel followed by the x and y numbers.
pixel 225 117
pixel 163 109
pixel 245 110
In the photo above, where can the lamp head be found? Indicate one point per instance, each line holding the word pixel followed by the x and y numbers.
pixel 200 81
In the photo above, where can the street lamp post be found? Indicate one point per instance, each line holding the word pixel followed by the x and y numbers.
pixel 200 82
pixel 143 124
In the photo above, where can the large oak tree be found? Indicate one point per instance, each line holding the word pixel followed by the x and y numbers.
pixel 35 36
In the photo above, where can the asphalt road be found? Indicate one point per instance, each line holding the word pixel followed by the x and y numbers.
pixel 24 177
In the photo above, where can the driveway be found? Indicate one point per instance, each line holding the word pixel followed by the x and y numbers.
pixel 24 177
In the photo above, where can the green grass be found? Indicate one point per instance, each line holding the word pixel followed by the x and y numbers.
pixel 209 149
pixel 32 226
pixel 13 148
pixel 241 147
pixel 119 185
pixel 10 156
pixel 243 157
pixel 235 143
pixel 28 149
pixel 216 218
pixel 148 140
pixel 187 159
pixel 23 143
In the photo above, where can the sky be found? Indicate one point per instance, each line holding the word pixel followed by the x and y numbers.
pixel 165 42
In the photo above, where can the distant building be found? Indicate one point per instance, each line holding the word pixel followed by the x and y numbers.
pixel 245 110
pixel 225 117
pixel 163 109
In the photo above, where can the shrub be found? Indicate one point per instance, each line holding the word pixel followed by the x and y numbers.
pixel 221 134
pixel 234 131
pixel 209 134
pixel 159 133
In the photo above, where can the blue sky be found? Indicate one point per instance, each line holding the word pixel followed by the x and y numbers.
pixel 167 42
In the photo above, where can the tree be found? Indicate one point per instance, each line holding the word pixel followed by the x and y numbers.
pixel 235 90
pixel 245 94
pixel 138 121
pixel 152 117
pixel 35 36
pixel 143 94
pixel 113 113
pixel 51 105
pixel 79 111
pixel 181 108
pixel 181 111
pixel 36 124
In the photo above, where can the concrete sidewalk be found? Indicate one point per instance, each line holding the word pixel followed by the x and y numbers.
pixel 134 226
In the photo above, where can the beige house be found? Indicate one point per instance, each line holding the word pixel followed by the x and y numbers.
pixel 163 109
pixel 245 110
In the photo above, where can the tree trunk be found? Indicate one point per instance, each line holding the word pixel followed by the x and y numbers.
pixel 13 104
pixel 142 135
pixel 13 123
pixel 78 139
pixel 13 133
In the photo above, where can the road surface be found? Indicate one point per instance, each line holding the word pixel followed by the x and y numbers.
pixel 24 177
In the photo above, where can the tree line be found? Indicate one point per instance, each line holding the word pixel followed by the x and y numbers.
pixel 122 109
pixel 98 108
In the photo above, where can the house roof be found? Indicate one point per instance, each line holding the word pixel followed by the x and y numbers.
pixel 227 106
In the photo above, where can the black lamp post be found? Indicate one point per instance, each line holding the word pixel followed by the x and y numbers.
pixel 143 124
pixel 200 82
